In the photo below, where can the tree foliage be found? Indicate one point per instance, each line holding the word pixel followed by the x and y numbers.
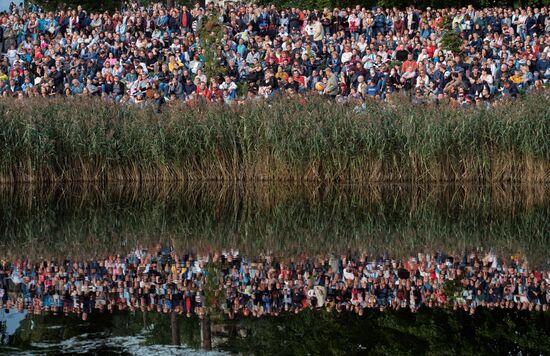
pixel 211 34
pixel 305 4
pixel 451 40
pixel 320 4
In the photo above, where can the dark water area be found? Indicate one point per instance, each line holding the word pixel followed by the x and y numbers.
pixel 83 222
pixel 439 332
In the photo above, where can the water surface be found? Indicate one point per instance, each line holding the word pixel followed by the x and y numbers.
pixel 85 221
pixel 80 221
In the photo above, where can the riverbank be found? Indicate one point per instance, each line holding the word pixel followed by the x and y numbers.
pixel 83 140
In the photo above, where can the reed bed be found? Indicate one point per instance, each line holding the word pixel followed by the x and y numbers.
pixel 76 140
pixel 287 219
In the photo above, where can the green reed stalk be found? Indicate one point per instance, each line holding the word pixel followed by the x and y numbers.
pixel 84 140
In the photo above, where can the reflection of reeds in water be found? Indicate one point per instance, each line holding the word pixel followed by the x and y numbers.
pixel 78 140
pixel 86 220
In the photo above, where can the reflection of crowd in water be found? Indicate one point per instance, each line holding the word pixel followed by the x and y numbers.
pixel 353 284
pixel 154 281
pixel 163 281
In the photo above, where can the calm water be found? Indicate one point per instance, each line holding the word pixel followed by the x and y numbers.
pixel 436 332
pixel 83 222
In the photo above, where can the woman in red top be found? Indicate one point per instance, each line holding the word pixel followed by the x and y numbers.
pixel 284 58
pixel 431 49
pixel 204 92
pixel 438 22
pixel 399 25
pixel 215 89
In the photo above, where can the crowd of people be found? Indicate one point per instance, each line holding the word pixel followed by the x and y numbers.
pixel 155 54
pixel 356 283
pixel 148 281
pixel 161 280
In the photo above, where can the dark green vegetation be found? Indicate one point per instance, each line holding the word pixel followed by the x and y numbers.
pixel 110 5
pixel 430 332
pixel 87 4
pixel 86 221
pixel 54 329
pixel 79 140
pixel 308 4
pixel 401 4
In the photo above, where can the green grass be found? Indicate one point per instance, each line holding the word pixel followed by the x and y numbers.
pixel 80 140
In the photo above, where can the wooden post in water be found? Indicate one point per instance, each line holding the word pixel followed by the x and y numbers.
pixel 144 314
pixel 206 333
pixel 175 328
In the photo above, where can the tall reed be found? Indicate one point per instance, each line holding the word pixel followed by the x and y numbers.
pixel 83 140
